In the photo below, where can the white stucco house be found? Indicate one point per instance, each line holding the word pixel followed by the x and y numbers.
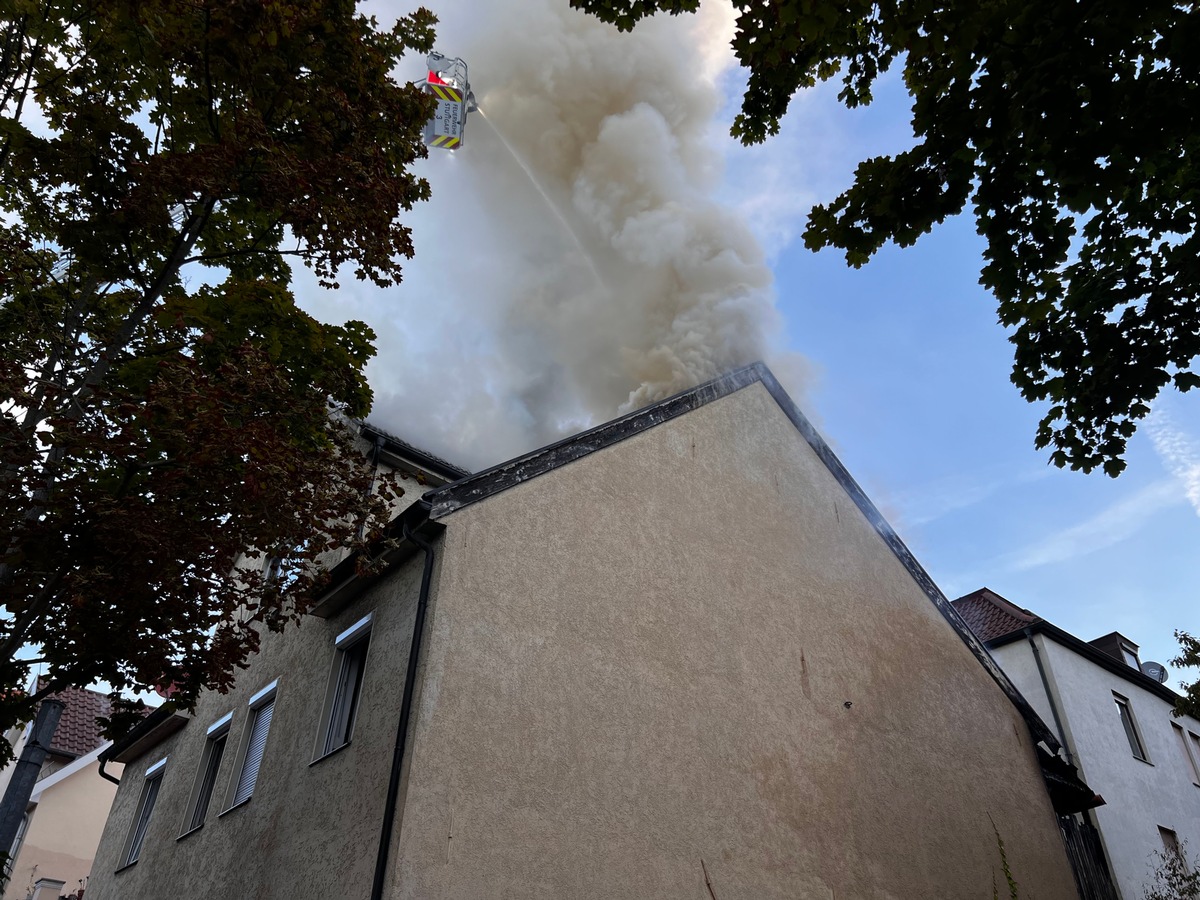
pixel 1116 724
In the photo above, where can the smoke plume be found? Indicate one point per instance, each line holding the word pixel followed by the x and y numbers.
pixel 573 263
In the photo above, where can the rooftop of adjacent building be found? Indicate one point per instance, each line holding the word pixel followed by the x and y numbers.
pixel 78 733
pixel 997 621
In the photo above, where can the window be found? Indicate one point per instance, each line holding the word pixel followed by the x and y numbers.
pixel 1188 759
pixel 206 778
pixel 1131 656
pixel 17 842
pixel 345 686
pixel 1126 714
pixel 254 742
pixel 1170 841
pixel 137 837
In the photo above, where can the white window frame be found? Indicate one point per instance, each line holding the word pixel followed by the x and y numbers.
pixel 258 704
pixel 204 787
pixel 1170 840
pixel 343 691
pixel 135 843
pixel 1137 744
pixel 1128 652
pixel 18 841
pixel 1193 767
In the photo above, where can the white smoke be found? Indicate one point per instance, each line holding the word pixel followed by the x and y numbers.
pixel 573 263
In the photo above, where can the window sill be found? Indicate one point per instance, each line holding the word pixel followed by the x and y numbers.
pixel 334 752
pixel 123 868
pixel 1146 761
pixel 235 806
pixel 189 832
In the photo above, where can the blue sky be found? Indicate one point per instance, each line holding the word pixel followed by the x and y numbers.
pixel 914 392
pixel 901 364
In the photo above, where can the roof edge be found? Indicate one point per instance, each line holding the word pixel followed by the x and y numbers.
pixel 450 498
pixel 1093 654
pixel 441 467
pixel 1038 729
pixel 151 731
pixel 488 482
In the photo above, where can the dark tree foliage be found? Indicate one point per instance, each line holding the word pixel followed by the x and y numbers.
pixel 1189 657
pixel 1070 126
pixel 168 416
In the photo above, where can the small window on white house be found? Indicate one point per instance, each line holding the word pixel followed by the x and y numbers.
pixel 1130 726
pixel 1188 759
pixel 345 686
pixel 1131 656
pixel 216 738
pixel 254 743
pixel 1170 841
pixel 137 836
pixel 17 842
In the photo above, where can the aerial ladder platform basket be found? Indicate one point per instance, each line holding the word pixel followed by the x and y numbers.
pixel 447 81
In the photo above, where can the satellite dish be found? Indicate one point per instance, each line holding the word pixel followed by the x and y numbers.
pixel 1157 671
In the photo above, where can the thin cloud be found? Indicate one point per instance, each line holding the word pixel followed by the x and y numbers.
pixel 934 500
pixel 1108 527
pixel 1178 452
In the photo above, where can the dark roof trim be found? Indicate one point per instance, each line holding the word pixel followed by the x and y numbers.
pixel 435 464
pixel 452 497
pixel 488 482
pixel 1094 654
pixel 148 733
pixel 346 582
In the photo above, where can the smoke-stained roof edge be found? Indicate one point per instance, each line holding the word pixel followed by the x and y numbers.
pixel 452 497
pixel 488 482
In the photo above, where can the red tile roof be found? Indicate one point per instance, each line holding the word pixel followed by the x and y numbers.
pixel 990 616
pixel 77 733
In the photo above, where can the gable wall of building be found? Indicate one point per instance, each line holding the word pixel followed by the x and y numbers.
pixel 689 656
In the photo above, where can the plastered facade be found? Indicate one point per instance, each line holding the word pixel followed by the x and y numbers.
pixel 692 647
pixel 310 829
pixel 1140 795
pixel 683 666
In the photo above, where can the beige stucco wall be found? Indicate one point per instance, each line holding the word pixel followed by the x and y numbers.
pixel 635 663
pixel 63 831
pixel 691 647
pixel 308 830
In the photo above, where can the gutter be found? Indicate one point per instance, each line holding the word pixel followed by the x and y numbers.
pixel 410 679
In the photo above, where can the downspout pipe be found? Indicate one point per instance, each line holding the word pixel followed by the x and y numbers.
pixel 105 775
pixel 410 680
pixel 1058 726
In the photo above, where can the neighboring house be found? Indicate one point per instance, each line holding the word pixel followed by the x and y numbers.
pixel 678 655
pixel 1115 722
pixel 69 805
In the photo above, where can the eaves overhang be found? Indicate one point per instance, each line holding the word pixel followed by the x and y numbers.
pixel 443 469
pixel 147 734
pixel 353 575
pixel 1092 654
